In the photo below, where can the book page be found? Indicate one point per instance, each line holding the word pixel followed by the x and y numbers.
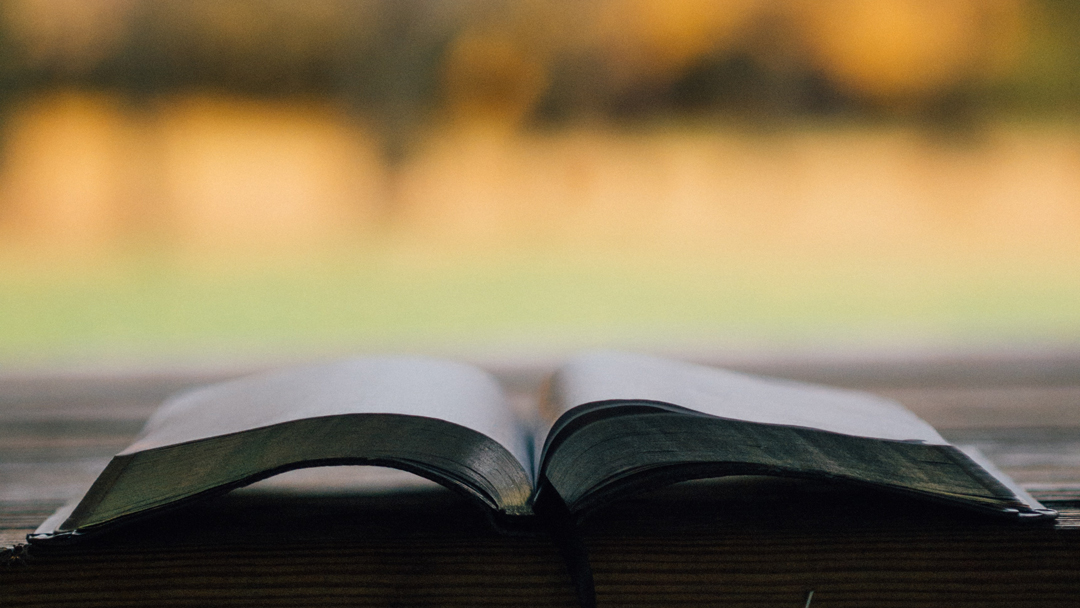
pixel 613 376
pixel 628 423
pixel 414 386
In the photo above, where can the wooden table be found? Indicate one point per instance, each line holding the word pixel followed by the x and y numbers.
pixel 760 546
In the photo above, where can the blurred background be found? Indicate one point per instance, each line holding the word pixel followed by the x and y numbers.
pixel 208 180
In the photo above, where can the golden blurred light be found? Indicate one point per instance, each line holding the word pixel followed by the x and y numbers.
pixel 189 169
pixel 900 50
pixel 65 174
pixel 491 77
pixel 468 166
pixel 210 174
pixel 72 34
pixel 649 39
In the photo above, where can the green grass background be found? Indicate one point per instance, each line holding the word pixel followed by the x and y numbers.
pixel 145 308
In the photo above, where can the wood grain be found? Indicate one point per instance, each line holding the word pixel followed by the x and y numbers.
pixel 761 545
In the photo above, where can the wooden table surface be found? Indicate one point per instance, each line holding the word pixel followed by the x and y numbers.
pixel 1022 409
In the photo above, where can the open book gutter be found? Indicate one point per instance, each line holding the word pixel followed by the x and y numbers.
pixel 610 425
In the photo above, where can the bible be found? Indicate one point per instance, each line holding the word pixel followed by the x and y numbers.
pixel 609 425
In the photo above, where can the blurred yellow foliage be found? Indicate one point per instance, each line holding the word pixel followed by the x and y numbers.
pixel 648 39
pixel 64 183
pixel 217 175
pixel 890 52
pixel 84 173
pixel 900 50
pixel 491 77
pixel 187 169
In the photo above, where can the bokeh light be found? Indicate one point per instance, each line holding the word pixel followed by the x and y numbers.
pixel 274 179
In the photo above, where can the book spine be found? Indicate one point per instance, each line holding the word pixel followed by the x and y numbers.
pixel 550 507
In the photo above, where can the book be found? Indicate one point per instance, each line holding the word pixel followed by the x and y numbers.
pixel 609 425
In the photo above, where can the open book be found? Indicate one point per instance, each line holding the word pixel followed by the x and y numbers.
pixel 609 425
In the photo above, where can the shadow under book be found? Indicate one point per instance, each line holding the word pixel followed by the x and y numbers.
pixel 655 481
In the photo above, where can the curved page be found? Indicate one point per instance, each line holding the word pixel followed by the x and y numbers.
pixel 413 386
pixel 445 421
pixel 630 422
pixel 605 377
pixel 622 455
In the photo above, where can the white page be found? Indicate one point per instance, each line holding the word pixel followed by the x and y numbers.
pixel 605 376
pixel 454 392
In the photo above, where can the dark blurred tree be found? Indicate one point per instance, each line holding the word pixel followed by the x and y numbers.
pixel 400 63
